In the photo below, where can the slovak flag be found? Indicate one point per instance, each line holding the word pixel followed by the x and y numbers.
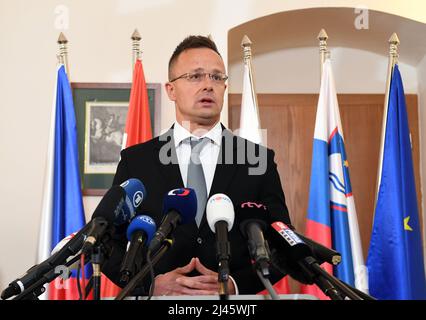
pixel 62 211
pixel 332 219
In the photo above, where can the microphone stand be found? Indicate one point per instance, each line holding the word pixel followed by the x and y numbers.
pixel 268 286
pixel 223 253
pixel 144 271
pixel 330 285
pixel 97 258
pixel 223 277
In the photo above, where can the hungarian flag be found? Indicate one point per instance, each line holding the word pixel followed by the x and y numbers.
pixel 62 211
pixel 395 258
pixel 137 130
pixel 332 219
pixel 138 122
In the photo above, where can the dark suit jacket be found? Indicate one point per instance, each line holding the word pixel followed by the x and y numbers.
pixel 142 161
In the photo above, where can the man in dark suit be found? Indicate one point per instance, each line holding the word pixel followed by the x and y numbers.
pixel 242 170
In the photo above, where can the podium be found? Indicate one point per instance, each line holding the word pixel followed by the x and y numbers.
pixel 258 297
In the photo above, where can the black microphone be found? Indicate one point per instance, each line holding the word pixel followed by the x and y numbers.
pixel 320 252
pixel 252 227
pixel 296 253
pixel 140 233
pixel 118 205
pixel 220 217
pixel 179 207
pixel 37 271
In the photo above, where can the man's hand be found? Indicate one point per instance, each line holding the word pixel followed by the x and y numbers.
pixel 177 283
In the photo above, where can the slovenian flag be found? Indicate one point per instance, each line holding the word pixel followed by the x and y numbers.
pixel 395 258
pixel 332 219
pixel 62 211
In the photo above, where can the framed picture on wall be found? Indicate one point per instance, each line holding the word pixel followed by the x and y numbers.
pixel 103 138
pixel 101 112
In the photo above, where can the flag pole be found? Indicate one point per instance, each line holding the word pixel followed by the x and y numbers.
pixel 324 52
pixel 246 45
pixel 136 38
pixel 393 59
pixel 63 52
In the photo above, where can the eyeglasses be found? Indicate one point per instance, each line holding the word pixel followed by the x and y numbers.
pixel 197 77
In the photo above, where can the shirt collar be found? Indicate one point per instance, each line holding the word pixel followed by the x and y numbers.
pixel 180 134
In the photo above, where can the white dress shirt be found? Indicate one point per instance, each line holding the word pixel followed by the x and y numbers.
pixel 208 154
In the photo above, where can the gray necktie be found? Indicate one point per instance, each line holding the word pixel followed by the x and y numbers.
pixel 196 179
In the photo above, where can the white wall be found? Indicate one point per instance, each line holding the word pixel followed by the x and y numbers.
pixel 297 71
pixel 99 51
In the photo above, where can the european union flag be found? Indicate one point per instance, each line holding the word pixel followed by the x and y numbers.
pixel 395 258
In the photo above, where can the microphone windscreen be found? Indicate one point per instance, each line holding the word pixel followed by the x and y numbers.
pixel 110 205
pixel 182 200
pixel 220 208
pixel 248 212
pixel 142 223
pixel 135 193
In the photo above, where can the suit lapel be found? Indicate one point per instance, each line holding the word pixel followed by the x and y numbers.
pixel 225 168
pixel 167 160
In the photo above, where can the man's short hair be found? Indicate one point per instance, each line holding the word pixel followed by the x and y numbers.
pixel 191 42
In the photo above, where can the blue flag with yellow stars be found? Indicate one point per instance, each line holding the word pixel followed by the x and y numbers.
pixel 395 259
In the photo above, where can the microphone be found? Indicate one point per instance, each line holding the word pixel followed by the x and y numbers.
pixel 220 217
pixel 62 244
pixel 252 227
pixel 117 207
pixel 320 252
pixel 299 253
pixel 140 233
pixel 71 248
pixel 179 207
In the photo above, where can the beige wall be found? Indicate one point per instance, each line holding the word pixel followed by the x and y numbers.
pixel 297 71
pixel 99 51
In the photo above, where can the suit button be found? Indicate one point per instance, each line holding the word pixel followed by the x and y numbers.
pixel 199 240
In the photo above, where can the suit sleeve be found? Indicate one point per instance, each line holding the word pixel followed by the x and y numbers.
pixel 118 242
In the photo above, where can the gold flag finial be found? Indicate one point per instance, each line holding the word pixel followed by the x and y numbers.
pixel 393 47
pixel 324 52
pixel 63 52
pixel 62 39
pixel 136 35
pixel 136 51
pixel 246 44
pixel 246 41
pixel 322 35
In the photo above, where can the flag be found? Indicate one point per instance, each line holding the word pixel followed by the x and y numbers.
pixel 395 257
pixel 249 117
pixel 250 130
pixel 137 130
pixel 138 122
pixel 332 219
pixel 62 210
